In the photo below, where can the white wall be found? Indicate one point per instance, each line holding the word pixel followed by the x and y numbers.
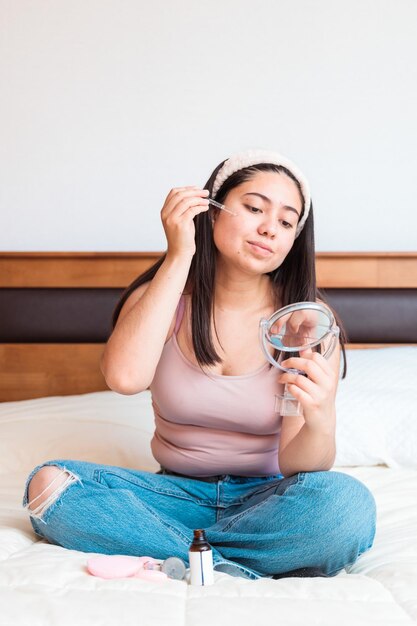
pixel 107 104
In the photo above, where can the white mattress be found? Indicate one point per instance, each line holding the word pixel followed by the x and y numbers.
pixel 42 584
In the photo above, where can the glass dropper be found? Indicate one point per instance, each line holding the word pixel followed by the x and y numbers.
pixel 221 206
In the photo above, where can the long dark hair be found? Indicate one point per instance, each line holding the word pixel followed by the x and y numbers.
pixel 293 281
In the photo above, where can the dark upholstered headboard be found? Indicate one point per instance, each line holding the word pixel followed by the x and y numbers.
pixel 56 309
pixel 74 315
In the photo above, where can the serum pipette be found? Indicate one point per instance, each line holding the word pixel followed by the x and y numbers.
pixel 221 206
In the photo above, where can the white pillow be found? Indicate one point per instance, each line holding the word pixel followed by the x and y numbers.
pixel 377 408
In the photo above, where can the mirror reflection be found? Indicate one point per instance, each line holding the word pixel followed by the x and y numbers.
pixel 292 330
pixel 298 327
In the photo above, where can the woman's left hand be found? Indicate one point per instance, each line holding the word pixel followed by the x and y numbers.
pixel 316 391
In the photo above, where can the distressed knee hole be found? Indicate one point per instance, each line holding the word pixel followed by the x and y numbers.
pixel 44 488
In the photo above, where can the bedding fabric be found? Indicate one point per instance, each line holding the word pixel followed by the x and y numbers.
pixel 43 584
pixel 376 407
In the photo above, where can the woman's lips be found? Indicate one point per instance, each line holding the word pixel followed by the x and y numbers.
pixel 260 248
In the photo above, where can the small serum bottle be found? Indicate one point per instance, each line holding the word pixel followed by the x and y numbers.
pixel 201 560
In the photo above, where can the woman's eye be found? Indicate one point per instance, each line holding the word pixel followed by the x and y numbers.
pixel 255 210
pixel 252 209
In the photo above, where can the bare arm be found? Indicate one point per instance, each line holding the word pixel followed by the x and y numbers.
pixel 133 351
pixel 307 443
pixel 310 450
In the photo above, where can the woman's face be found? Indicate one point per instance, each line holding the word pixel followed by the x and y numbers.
pixel 258 238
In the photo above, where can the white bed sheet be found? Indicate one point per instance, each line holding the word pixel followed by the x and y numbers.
pixel 42 584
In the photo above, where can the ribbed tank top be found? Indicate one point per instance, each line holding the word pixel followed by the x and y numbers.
pixel 210 424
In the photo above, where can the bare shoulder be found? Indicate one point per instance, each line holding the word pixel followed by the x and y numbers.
pixel 327 306
pixel 323 303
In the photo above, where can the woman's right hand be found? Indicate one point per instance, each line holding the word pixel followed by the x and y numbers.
pixel 181 206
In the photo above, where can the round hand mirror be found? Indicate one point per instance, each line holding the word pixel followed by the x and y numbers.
pixel 292 330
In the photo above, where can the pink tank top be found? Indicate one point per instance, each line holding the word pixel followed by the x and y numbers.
pixel 210 424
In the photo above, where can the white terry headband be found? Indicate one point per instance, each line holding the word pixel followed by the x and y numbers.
pixel 240 160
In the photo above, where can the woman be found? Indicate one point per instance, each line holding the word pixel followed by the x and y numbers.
pixel 188 329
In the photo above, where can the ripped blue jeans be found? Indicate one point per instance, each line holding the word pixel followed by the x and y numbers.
pixel 256 526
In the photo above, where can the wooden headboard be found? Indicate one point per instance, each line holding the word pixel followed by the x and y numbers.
pixel 49 348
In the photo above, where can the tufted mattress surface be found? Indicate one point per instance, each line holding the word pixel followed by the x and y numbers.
pixel 46 585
